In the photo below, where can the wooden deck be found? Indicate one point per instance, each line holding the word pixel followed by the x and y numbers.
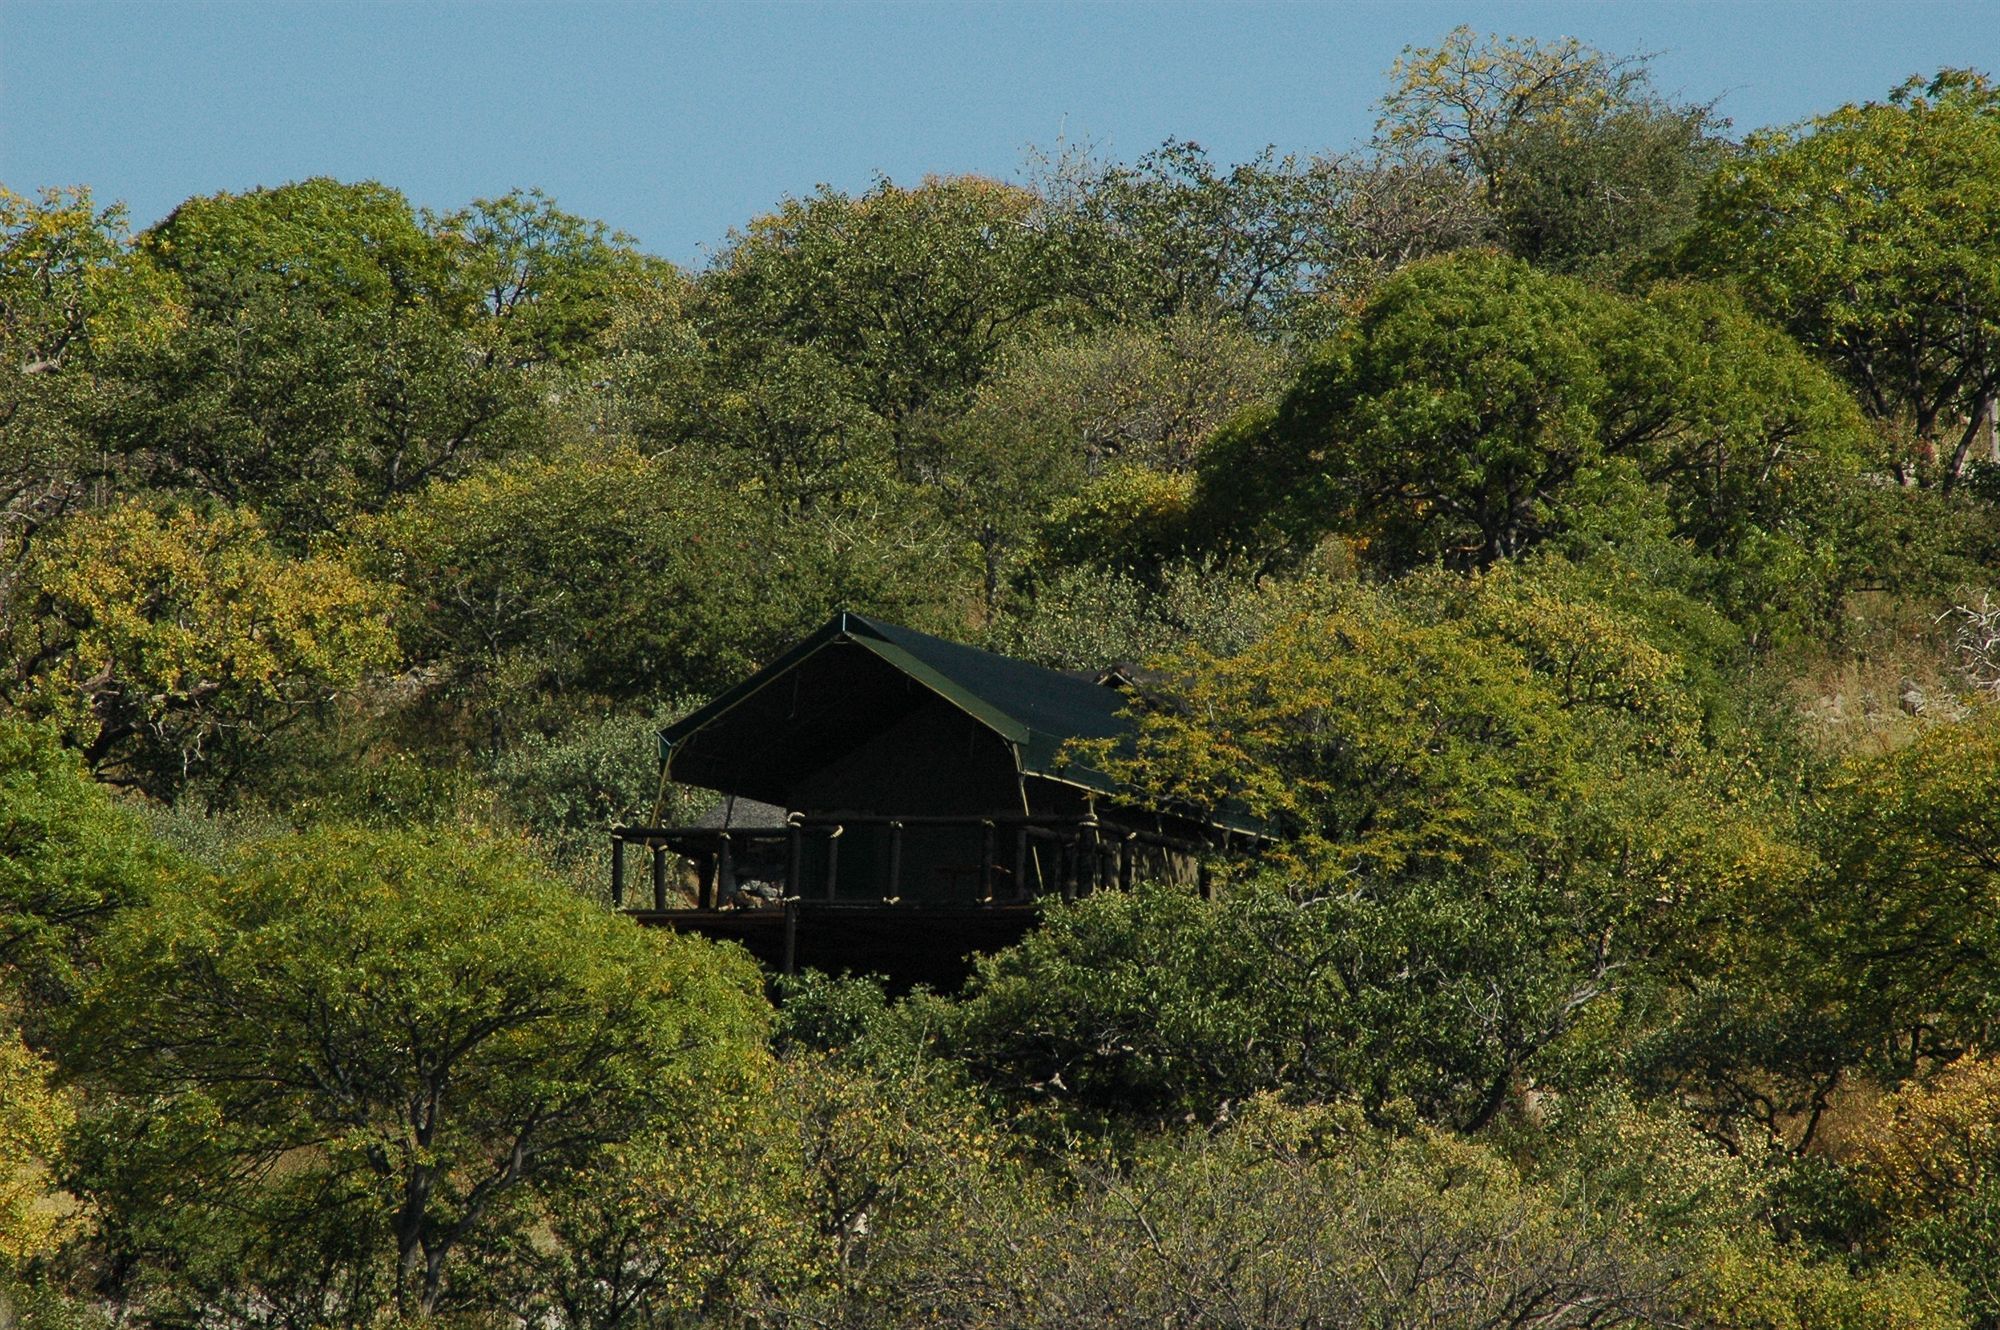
pixel 863 910
pixel 932 945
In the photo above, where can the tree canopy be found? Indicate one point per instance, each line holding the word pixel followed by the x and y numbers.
pixel 1870 233
pixel 1563 535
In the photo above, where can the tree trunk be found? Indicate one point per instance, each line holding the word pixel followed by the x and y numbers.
pixel 1981 424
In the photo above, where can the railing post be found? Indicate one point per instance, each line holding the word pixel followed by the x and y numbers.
pixel 795 862
pixel 659 877
pixel 895 890
pixel 617 871
pixel 725 875
pixel 986 852
pixel 833 861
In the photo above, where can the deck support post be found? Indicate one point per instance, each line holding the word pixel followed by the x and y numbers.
pixel 1125 861
pixel 660 877
pixel 1203 882
pixel 1021 864
pixel 617 872
pixel 833 862
pixel 790 965
pixel 795 862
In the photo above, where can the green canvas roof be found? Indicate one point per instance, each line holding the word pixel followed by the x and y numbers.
pixel 1035 710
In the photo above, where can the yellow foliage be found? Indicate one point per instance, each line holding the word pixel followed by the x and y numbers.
pixel 1756 1289
pixel 171 629
pixel 1935 1142
pixel 33 1117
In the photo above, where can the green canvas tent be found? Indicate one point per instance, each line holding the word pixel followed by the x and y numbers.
pixel 857 682
pixel 916 797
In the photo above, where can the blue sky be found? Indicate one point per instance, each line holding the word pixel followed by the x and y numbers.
pixel 676 122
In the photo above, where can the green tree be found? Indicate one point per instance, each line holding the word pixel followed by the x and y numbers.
pixel 1861 961
pixel 72 858
pixel 1905 911
pixel 770 1209
pixel 553 286
pixel 1447 422
pixel 1086 618
pixel 1583 166
pixel 535 585
pixel 34 1115
pixel 1494 817
pixel 332 355
pixel 69 290
pixel 1281 1221
pixel 912 292
pixel 1873 235
pixel 1053 415
pixel 1145 395
pixel 1739 424
pixel 1928 1157
pixel 791 422
pixel 1475 408
pixel 342 1065
pixel 1175 235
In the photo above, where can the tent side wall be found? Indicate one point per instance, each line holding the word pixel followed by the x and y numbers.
pixel 934 762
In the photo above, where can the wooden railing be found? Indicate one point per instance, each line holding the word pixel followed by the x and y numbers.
pixel 1087 851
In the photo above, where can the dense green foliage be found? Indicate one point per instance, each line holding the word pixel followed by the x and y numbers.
pixel 1570 533
pixel 1871 234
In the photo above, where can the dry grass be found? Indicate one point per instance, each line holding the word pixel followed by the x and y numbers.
pixel 1894 674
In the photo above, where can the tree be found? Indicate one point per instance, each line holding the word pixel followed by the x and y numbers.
pixel 1142 395
pixel 1447 421
pixel 1928 1159
pixel 1905 911
pixel 346 1060
pixel 34 1115
pixel 551 285
pixel 1474 408
pixel 72 859
pixel 1282 1220
pixel 592 573
pixel 1743 429
pixel 599 573
pixel 1174 235
pixel 1055 416
pixel 769 1208
pixel 1873 235
pixel 171 644
pixel 792 423
pixel 1581 164
pixel 68 289
pixel 1754 451
pixel 911 291
pixel 1492 816
pixel 1862 961
pixel 332 356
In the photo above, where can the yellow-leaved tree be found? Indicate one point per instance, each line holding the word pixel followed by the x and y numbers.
pixel 173 643
pixel 33 1117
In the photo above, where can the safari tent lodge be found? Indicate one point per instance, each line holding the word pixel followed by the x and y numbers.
pixel 893 802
